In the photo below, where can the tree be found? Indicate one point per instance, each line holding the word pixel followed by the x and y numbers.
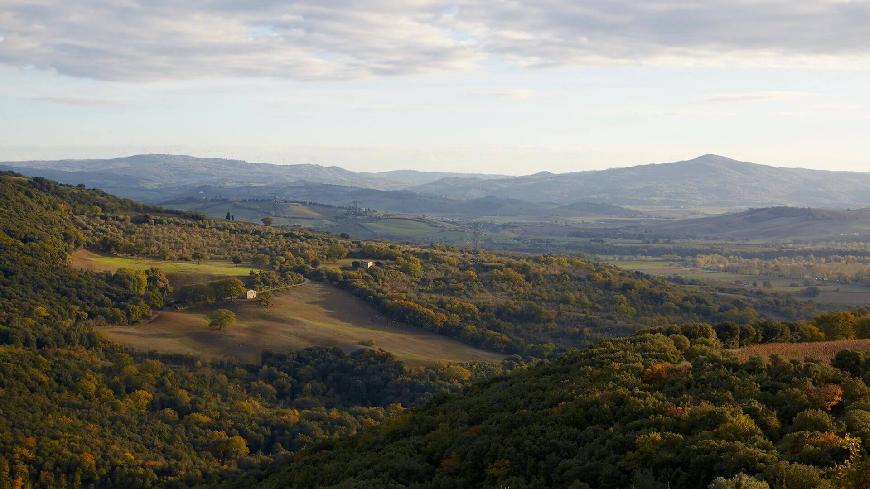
pixel 837 325
pixel 221 319
pixel 267 221
pixel 133 281
pixel 229 216
pixel 739 481
pixel 848 360
pixel 858 422
pixel 264 299
pixel 862 328
pixel 227 288
pixel 227 448
pixel 825 396
pixel 795 476
pixel 336 251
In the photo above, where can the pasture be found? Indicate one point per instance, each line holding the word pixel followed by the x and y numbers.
pixel 313 314
pixel 179 272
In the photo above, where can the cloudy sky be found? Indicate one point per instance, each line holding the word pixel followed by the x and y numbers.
pixel 490 85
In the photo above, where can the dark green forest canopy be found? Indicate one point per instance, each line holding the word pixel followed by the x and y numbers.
pixel 649 411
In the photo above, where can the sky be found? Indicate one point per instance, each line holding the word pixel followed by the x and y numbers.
pixel 496 86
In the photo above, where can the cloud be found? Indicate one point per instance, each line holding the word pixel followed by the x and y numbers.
pixel 161 39
pixel 755 96
pixel 558 32
pixel 78 101
pixel 342 39
pixel 516 94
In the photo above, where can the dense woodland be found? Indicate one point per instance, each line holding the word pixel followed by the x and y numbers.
pixel 648 411
pixel 76 411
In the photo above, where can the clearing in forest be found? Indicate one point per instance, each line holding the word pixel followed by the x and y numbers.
pixel 313 314
pixel 820 350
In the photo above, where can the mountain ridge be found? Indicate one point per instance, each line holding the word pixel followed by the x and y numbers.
pixel 707 181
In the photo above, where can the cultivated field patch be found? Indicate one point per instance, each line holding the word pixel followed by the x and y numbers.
pixel 821 350
pixel 313 314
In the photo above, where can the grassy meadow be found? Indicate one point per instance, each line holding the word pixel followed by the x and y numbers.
pixel 313 314
pixel 179 272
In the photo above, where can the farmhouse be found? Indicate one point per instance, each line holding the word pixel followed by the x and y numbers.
pixel 362 264
pixel 250 294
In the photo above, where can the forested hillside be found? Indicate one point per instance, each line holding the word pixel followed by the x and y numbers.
pixel 512 304
pixel 78 411
pixel 649 411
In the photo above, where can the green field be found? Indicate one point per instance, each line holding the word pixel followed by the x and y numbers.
pixel 313 314
pixel 179 272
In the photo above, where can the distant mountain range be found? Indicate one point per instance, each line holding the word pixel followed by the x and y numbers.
pixel 706 181
pixel 157 177
pixel 403 201
pixel 709 181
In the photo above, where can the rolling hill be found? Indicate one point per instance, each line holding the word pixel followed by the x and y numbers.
pixel 210 201
pixel 772 223
pixel 706 181
pixel 155 177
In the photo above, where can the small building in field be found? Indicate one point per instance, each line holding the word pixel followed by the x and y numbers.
pixel 250 294
pixel 362 264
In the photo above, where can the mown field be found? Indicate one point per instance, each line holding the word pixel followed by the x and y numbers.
pixel 313 314
pixel 821 350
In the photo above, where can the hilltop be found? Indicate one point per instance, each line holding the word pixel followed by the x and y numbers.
pixel 706 181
